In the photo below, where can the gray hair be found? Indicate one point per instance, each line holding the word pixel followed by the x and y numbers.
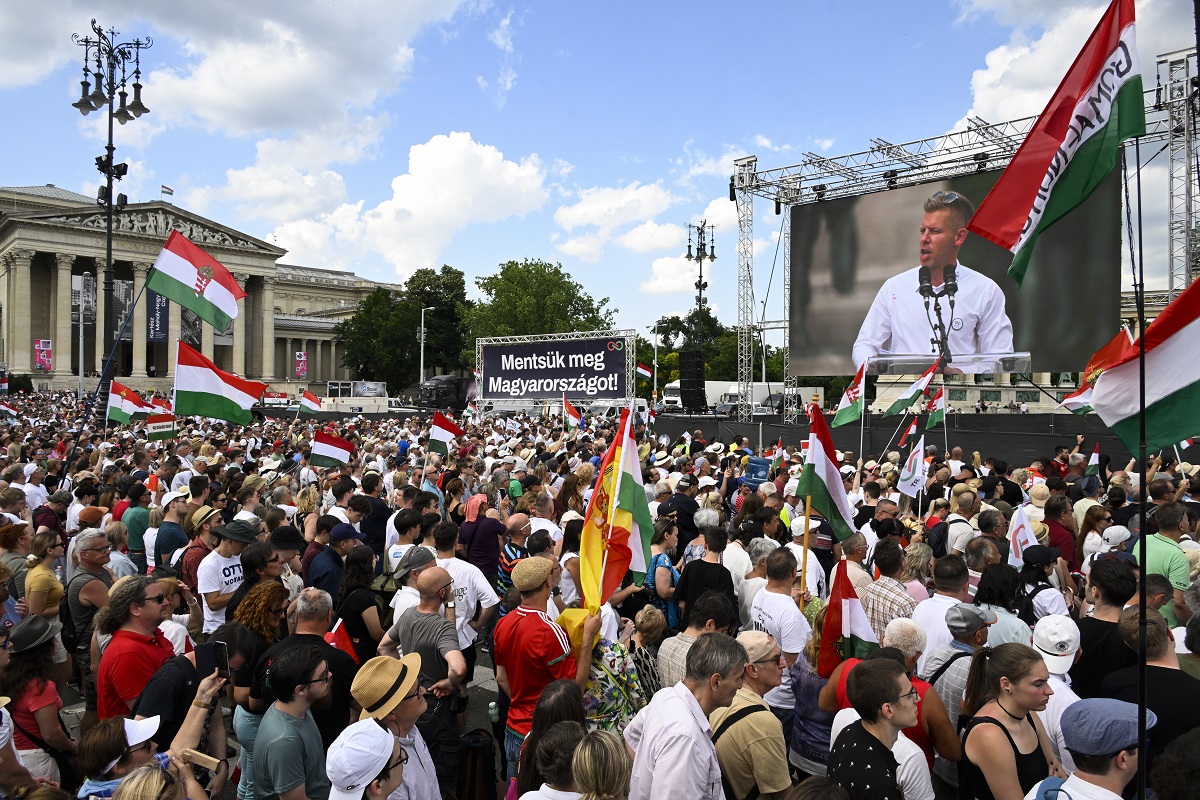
pixel 990 519
pixel 1077 460
pixel 979 553
pixel 706 517
pixel 760 548
pixel 766 489
pixel 714 654
pixel 853 542
pixel 279 493
pixel 313 604
pixel 87 539
pixel 906 636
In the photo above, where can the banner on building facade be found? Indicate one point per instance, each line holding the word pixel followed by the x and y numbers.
pixel 43 358
pixel 157 316
pixel 301 364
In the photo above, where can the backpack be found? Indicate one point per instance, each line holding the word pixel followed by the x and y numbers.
pixel 1051 789
pixel 70 636
pixel 1025 596
pixel 385 587
pixel 476 777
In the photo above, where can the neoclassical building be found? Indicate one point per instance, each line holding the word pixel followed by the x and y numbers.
pixel 52 253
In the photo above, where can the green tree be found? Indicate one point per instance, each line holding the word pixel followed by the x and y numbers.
pixel 381 339
pixel 444 291
pixel 532 297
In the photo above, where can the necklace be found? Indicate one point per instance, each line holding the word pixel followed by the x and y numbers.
pixel 1006 711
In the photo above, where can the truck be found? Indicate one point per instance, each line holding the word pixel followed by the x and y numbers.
pixel 611 409
pixel 673 401
pixel 442 392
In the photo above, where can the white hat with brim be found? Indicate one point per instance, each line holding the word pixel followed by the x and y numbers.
pixel 359 753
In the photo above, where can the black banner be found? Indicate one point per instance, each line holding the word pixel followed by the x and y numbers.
pixel 157 314
pixel 594 369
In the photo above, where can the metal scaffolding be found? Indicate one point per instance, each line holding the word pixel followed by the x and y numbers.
pixel 745 206
pixel 1177 68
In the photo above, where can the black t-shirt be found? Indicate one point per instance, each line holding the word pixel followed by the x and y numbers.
pixel 331 719
pixel 863 766
pixel 699 577
pixel 1172 695
pixel 1103 651
pixel 373 525
pixel 1012 493
pixel 863 515
pixel 169 694
pixel 351 612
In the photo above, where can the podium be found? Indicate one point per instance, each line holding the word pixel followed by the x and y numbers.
pixel 972 364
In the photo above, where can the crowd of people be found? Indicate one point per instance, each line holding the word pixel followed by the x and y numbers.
pixel 339 616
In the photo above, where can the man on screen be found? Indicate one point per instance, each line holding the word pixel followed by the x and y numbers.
pixel 897 322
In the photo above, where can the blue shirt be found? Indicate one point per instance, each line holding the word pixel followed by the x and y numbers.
pixel 98 788
pixel 325 572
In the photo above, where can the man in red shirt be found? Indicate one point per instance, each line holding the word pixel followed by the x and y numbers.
pixel 138 648
pixel 531 651
pixel 1061 522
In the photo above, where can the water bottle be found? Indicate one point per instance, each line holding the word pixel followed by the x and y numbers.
pixel 493 711
pixel 58 573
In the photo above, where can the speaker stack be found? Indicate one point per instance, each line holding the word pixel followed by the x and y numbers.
pixel 691 382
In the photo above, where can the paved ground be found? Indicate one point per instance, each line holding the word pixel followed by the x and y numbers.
pixel 482 691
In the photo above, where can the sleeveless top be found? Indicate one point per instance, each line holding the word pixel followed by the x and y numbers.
pixel 81 615
pixel 1032 768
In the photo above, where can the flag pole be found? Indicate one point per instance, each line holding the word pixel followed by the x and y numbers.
pixel 91 406
pixel 804 557
pixel 1140 296
pixel 862 418
pixel 893 436
pixel 945 417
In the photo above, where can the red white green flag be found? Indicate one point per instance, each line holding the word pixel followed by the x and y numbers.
pixel 442 433
pixel 643 371
pixel 820 478
pixel 1078 401
pixel 571 414
pixel 7 410
pixel 1075 143
pixel 160 427
pixel 309 403
pixel 204 390
pixel 936 408
pixel 847 632
pixel 851 407
pixel 124 404
pixel 914 393
pixel 161 402
pixel 777 456
pixel 1093 466
pixel 195 280
pixel 1172 379
pixel 911 430
pixel 1113 353
pixel 330 451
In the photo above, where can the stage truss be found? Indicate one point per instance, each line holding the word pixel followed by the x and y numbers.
pixel 1170 118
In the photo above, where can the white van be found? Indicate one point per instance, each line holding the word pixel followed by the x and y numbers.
pixel 613 408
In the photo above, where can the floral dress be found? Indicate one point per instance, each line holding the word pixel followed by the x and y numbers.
pixel 614 693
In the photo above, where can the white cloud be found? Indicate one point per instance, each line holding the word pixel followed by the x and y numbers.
pixel 671 274
pixel 696 163
pixel 502 37
pixel 607 209
pixel 562 168
pixel 651 236
pixel 588 247
pixel 824 145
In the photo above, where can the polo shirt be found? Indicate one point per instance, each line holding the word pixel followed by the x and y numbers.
pixel 1165 557
pixel 534 651
pixel 128 664
pixel 673 754
pixel 751 751
pixel 863 766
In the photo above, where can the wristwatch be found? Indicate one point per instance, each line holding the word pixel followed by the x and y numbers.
pixel 449 605
pixel 556 591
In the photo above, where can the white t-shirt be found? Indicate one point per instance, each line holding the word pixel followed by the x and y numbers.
pixel 931 616
pixel 471 592
pixel 393 554
pixel 814 578
pixel 542 524
pixel 148 540
pixel 750 590
pixel 1051 718
pixel 737 561
pixel 912 776
pixel 778 615
pixel 570 592
pixel 217 574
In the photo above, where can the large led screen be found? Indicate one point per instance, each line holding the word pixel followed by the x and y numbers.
pixel 844 250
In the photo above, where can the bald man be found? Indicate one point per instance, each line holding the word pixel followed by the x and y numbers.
pixel 519 528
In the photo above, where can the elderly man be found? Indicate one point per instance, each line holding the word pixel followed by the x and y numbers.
pixel 138 648
pixel 673 753
pixel 750 744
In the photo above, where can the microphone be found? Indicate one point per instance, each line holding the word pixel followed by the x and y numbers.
pixel 950 280
pixel 926 283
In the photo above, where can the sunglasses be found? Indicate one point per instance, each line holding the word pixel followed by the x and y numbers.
pixel 158 598
pixel 944 197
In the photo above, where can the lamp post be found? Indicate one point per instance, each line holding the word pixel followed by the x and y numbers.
pixel 84 280
pixel 702 232
pixel 654 390
pixel 421 378
pixel 112 60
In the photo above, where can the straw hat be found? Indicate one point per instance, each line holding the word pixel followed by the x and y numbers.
pixel 383 682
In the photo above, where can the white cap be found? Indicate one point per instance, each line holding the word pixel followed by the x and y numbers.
pixel 707 481
pixel 359 753
pixel 1056 638
pixel 1113 536
pixel 137 731
pixel 789 488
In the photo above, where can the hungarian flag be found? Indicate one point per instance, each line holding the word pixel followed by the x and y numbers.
pixel 1093 467
pixel 196 280
pixel 1172 379
pixel 161 402
pixel 124 404
pixel 442 432
pixel 160 427
pixel 1075 143
pixel 329 451
pixel 911 430
pixel 913 393
pixel 164 189
pixel 912 476
pixel 339 637
pixel 936 408
pixel 1020 536
pixel 309 403
pixel 820 478
pixel 1078 401
pixel 643 370
pixel 571 414
pixel 851 407
pixel 651 415
pixel 777 457
pixel 847 632
pixel 204 390
pixel 7 410
pixel 617 529
pixel 1185 444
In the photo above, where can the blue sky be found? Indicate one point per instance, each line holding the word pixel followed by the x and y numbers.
pixel 382 136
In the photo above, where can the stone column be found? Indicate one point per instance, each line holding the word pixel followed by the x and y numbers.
pixel 20 318
pixel 140 270
pixel 239 330
pixel 207 343
pixel 174 331
pixel 101 320
pixel 268 331
pixel 317 362
pixel 64 346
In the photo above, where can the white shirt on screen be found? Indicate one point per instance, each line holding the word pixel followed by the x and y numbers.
pixel 896 323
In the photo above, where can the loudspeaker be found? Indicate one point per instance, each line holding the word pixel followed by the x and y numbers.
pixel 691 381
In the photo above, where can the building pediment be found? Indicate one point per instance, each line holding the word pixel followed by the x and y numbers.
pixel 154 221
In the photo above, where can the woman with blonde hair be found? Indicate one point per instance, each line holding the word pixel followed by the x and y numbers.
pixel 175 626
pixel 44 594
pixel 917 570
pixel 149 782
pixel 602 767
pixel 118 563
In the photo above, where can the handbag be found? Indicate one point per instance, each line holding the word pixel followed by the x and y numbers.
pixel 70 776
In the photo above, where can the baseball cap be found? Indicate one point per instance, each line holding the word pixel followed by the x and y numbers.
pixel 963 619
pixel 1040 555
pixel 343 531
pixel 687 482
pixel 1100 726
pixel 137 731
pixel 1115 535
pixel 171 497
pixel 1056 638
pixel 758 644
pixel 414 557
pixel 789 488
pixel 707 481
pixel 357 755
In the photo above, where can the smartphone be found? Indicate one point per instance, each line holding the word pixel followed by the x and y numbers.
pixel 206 660
pixel 221 655
pixel 502 493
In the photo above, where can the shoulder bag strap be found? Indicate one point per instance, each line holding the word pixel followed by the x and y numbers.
pixel 945 666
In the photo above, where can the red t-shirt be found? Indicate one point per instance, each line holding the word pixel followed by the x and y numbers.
pixel 119 509
pixel 128 663
pixel 38 694
pixel 534 651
